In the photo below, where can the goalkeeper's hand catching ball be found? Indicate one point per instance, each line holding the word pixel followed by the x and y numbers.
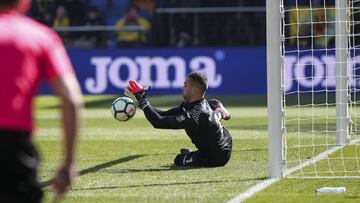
pixel 138 93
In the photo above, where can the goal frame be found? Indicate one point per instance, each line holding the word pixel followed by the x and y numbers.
pixel 275 105
pixel 274 92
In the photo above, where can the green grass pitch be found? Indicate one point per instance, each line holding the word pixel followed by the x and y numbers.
pixel 132 162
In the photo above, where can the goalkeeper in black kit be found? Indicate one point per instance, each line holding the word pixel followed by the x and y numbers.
pixel 200 119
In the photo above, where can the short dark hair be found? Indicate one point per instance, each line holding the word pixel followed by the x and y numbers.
pixel 199 79
pixel 8 3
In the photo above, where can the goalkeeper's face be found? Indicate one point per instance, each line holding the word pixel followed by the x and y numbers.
pixel 191 91
pixel 187 91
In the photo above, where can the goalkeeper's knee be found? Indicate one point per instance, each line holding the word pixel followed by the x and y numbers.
pixel 179 160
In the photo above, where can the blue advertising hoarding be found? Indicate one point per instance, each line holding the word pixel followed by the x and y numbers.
pixel 311 70
pixel 230 71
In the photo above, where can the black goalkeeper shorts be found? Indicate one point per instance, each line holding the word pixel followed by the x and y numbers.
pixel 18 170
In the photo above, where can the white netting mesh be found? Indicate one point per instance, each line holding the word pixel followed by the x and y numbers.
pixel 309 80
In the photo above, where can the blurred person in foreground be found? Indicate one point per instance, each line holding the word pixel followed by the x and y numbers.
pixel 132 38
pixel 30 52
pixel 200 118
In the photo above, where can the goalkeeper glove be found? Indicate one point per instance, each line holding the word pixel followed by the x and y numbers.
pixel 135 90
pixel 216 105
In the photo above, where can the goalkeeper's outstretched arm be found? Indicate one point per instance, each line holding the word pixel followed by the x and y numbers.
pixel 138 92
pixel 161 121
pixel 170 112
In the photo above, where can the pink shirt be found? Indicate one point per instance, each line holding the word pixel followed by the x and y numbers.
pixel 29 52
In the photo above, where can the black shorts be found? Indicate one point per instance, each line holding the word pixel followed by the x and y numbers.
pixel 197 158
pixel 18 172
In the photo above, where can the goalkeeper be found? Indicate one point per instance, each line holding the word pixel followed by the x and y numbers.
pixel 200 119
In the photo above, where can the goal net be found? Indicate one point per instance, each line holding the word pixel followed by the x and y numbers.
pixel 320 72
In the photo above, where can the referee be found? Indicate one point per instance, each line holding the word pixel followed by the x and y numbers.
pixel 30 52
pixel 199 118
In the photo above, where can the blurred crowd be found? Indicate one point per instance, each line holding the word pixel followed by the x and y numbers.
pixel 313 23
pixel 61 14
pixel 138 24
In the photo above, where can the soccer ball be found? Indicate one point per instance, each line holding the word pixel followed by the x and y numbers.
pixel 123 108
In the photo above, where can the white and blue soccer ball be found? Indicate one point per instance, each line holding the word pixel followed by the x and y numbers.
pixel 123 108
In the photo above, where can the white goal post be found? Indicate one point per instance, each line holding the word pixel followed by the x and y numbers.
pixel 313 85
pixel 274 99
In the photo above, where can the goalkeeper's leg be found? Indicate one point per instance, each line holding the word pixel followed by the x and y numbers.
pixel 185 151
pixel 191 159
pixel 197 159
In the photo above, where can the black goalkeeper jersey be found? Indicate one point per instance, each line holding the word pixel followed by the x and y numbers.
pixel 200 122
